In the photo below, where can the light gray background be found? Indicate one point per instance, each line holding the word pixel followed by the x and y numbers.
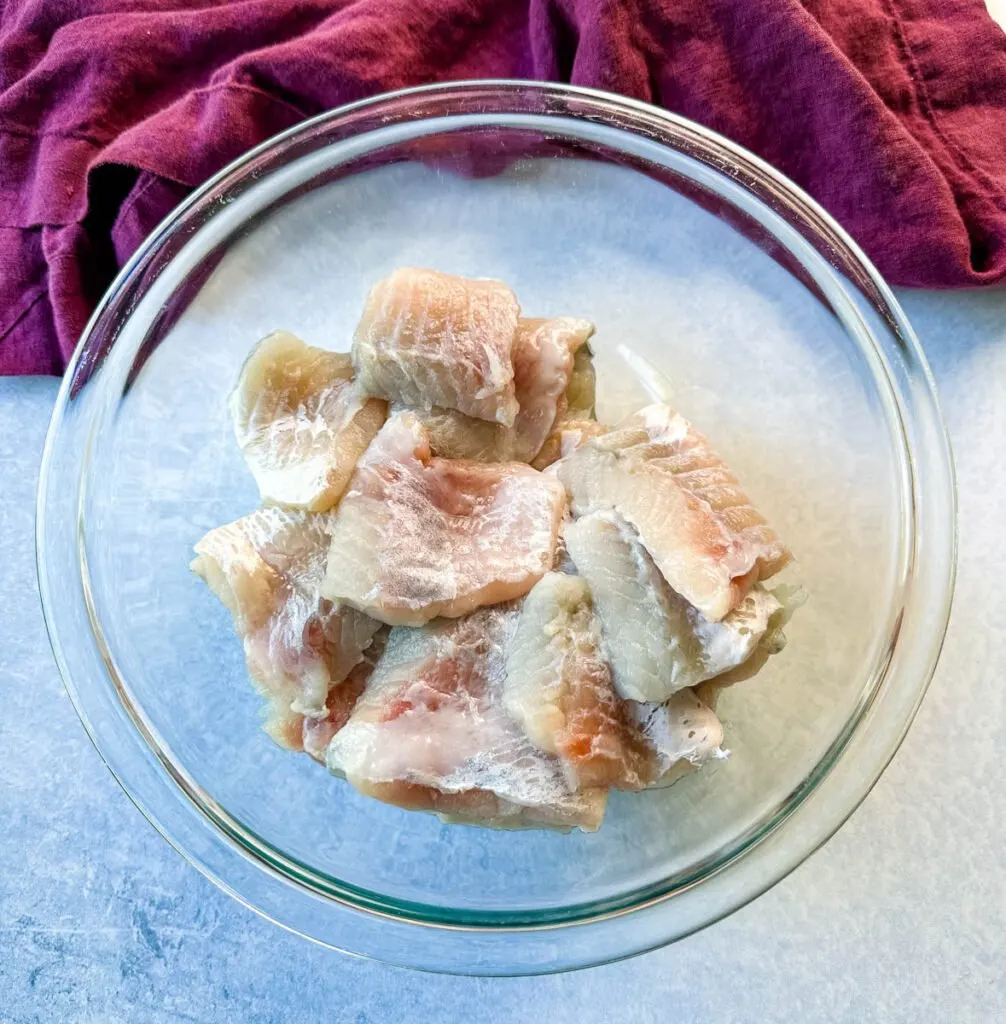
pixel 899 918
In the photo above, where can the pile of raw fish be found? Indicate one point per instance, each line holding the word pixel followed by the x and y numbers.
pixel 463 593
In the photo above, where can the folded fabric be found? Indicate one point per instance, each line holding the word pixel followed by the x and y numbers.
pixel 892 113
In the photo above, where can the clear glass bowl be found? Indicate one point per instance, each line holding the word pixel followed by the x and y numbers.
pixel 714 282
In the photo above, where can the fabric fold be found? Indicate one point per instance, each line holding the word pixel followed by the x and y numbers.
pixel 891 113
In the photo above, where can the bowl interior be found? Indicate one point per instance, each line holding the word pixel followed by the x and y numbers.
pixel 688 309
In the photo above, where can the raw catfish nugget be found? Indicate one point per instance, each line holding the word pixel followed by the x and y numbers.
pixel 466 595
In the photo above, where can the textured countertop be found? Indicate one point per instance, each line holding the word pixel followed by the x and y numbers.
pixel 899 918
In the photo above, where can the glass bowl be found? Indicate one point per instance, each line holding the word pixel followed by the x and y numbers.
pixel 714 283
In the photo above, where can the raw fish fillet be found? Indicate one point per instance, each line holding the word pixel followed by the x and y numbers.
pixel 417 537
pixel 317 733
pixel 657 643
pixel 543 362
pixel 301 422
pixel 544 358
pixel 431 733
pixel 267 569
pixel 582 387
pixel 566 437
pixel 681 733
pixel 428 339
pixel 661 475
pixel 788 599
pixel 559 689
pixel 453 435
pixel 575 421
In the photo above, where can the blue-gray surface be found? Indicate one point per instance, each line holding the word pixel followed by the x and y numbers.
pixel 898 918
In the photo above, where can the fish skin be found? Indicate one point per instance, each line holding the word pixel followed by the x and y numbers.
pixel 663 477
pixel 417 537
pixel 301 422
pixel 428 339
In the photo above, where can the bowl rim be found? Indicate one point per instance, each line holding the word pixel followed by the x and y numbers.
pixel 816 220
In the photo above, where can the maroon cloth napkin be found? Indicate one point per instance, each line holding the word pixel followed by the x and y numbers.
pixel 892 113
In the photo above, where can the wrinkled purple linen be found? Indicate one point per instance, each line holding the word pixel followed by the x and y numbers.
pixel 892 113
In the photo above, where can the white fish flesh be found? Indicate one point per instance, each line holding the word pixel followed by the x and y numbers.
pixel 301 422
pixel 544 352
pixel 559 688
pixel 430 732
pixel 417 537
pixel 657 643
pixel 267 569
pixel 429 339
pixel 662 476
